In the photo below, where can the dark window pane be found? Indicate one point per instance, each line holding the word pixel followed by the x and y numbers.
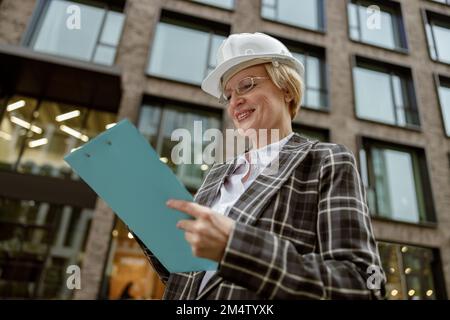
pixel 303 14
pixel 112 29
pixel 438 35
pixel 56 35
pixel 47 132
pixel 353 21
pixel 444 97
pixel 158 123
pixel 14 127
pixel 384 95
pixel 312 134
pixel 396 186
pixel 374 27
pixel 33 252
pixel 383 34
pixel 409 272
pixel 104 55
pixel 376 103
pixel 168 61
pixel 315 95
pixel 228 4
pixel 442 38
pixel 397 197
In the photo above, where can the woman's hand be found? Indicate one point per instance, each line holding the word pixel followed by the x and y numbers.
pixel 208 233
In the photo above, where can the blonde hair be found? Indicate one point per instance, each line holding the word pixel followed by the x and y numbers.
pixel 287 78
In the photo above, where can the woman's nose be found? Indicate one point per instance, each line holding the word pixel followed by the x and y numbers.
pixel 235 100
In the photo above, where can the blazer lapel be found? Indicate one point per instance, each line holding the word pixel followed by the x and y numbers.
pixel 213 282
pixel 213 181
pixel 252 202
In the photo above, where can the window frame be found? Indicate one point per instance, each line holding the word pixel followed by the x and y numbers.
pixel 322 17
pixel 396 11
pixel 190 22
pixel 404 72
pixel 438 80
pixel 427 17
pixel 29 37
pixel 420 165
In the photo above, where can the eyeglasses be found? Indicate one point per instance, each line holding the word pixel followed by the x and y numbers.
pixel 244 86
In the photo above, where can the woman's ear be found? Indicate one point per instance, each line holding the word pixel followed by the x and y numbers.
pixel 287 96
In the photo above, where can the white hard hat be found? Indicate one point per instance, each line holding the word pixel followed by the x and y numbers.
pixel 242 50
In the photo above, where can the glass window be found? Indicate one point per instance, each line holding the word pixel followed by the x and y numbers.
pixel 227 4
pixel 168 61
pixel 381 28
pixel 157 122
pixel 395 183
pixel 410 272
pixel 444 97
pixel 129 274
pixel 438 36
pixel 389 99
pixel 38 241
pixel 36 135
pixel 442 1
pixel 95 40
pixel 305 14
pixel 312 133
pixel 315 96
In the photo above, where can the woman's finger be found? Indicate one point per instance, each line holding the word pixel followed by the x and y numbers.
pixel 191 208
pixel 186 225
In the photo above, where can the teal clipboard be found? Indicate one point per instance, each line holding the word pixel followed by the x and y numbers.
pixel 126 172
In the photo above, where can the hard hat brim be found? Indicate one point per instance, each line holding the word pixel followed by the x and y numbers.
pixel 212 83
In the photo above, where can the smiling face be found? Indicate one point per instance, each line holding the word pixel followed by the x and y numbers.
pixel 263 107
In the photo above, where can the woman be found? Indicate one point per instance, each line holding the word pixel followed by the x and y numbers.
pixel 302 231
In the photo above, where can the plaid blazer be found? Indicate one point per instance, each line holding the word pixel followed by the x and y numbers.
pixel 302 233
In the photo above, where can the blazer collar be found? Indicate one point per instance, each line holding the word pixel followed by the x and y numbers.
pixel 290 156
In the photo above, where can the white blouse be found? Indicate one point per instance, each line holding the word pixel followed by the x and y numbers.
pixel 233 187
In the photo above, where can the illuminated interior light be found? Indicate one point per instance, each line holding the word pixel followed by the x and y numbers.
pixel 16 105
pixel 68 115
pixel 74 133
pixel 110 125
pixel 25 124
pixel 37 143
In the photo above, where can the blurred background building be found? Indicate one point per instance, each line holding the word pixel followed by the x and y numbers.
pixel 376 81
